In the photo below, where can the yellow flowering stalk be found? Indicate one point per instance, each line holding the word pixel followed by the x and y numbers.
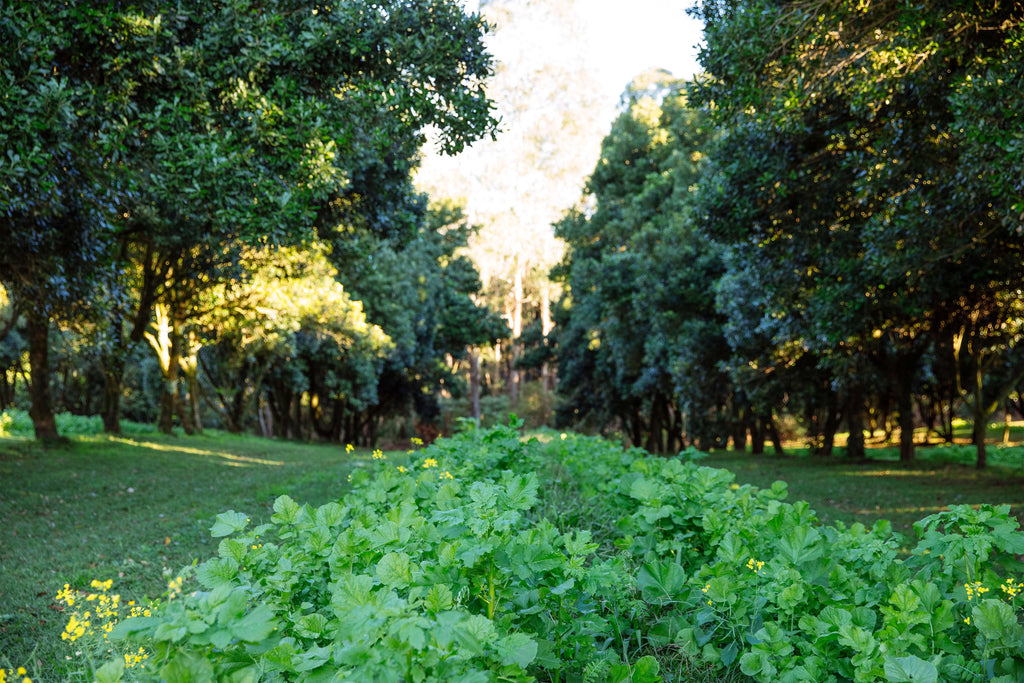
pixel 428 463
pixel 445 475
pixel 1011 588
pixel 975 589
pixel 94 615
pixel 378 454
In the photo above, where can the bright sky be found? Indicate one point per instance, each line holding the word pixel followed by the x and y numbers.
pixel 627 37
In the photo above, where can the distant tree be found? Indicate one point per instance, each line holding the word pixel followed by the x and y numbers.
pixel 422 290
pixel 639 337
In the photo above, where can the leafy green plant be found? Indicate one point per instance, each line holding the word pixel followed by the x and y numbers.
pixel 444 567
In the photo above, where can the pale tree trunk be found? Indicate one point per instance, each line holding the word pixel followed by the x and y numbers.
pixel 166 342
pixel 189 363
pixel 44 422
pixel 546 325
pixel 1006 426
pixel 516 323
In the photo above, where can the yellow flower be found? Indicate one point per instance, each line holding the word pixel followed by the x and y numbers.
pixel 349 448
pixel 403 468
pixel 428 463
pixel 445 475
pixel 416 441
pixel 974 589
pixel 379 455
pixel 755 565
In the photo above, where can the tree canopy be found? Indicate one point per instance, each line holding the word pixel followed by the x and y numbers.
pixel 149 145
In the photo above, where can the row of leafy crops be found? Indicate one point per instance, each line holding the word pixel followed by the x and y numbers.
pixel 488 557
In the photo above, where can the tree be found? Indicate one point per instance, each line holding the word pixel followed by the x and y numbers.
pixel 217 125
pixel 636 263
pixel 850 191
pixel 516 187
pixel 422 290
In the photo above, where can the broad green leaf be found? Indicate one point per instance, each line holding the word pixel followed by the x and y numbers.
pixel 646 670
pixel 517 648
pixel 910 669
pixel 997 622
pixel 111 672
pixel 255 626
pixel 521 492
pixel 227 523
pixel 311 659
pixel 232 548
pixel 644 490
pixel 286 510
pixel 439 598
pixel 661 581
pixel 411 631
pixel 395 570
pixel 351 590
pixel 330 514
pixel 217 571
pixel 311 625
pixel 800 544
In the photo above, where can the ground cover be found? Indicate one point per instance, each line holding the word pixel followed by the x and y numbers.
pixel 136 509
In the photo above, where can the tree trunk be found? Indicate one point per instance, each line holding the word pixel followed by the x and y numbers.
pixel 756 436
pixel 906 409
pixel 190 368
pixel 516 323
pixel 41 411
pixel 1006 425
pixel 855 423
pixel 773 433
pixel 906 366
pixel 112 362
pixel 112 400
pixel 474 384
pixel 654 435
pixel 546 325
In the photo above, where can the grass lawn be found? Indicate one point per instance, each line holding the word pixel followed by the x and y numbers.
pixel 883 488
pixel 130 509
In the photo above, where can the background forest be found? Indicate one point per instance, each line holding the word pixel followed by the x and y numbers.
pixel 212 218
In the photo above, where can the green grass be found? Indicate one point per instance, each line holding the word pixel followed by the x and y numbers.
pixel 129 509
pixel 882 487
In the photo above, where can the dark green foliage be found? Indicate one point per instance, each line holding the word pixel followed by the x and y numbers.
pixel 157 142
pixel 851 195
pixel 638 336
